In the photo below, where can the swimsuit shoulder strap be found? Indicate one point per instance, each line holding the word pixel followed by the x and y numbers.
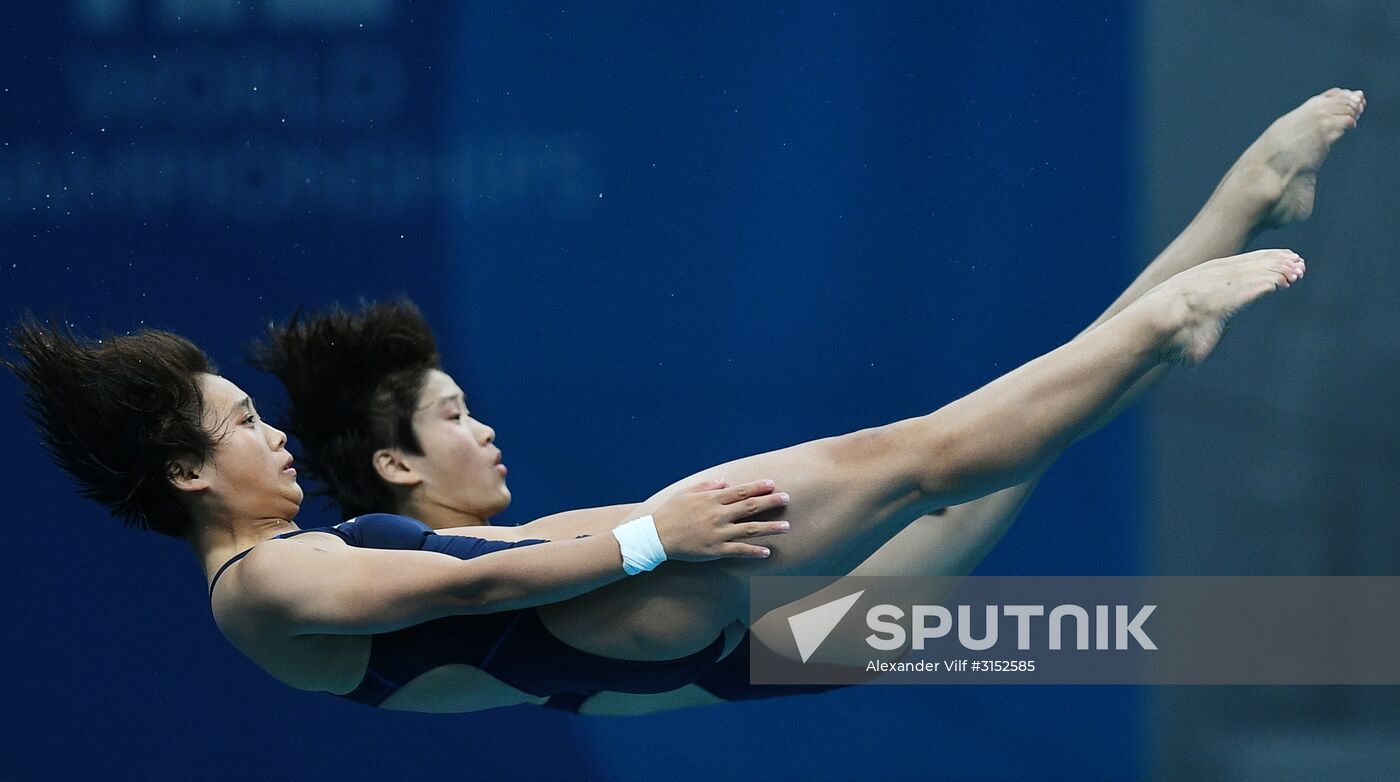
pixel 245 552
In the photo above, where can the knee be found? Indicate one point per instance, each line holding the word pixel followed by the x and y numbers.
pixel 888 456
pixel 868 447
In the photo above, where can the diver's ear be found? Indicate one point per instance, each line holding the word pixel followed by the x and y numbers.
pixel 184 474
pixel 390 465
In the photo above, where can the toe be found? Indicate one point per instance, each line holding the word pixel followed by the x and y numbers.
pixel 1283 271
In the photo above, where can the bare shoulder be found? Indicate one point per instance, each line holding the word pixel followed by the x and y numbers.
pixel 272 572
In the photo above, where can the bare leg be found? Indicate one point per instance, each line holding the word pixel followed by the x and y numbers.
pixel 1272 184
pixel 852 493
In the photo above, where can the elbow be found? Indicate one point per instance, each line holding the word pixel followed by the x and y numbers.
pixel 484 593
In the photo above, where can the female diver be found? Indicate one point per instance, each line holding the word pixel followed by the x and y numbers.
pixel 145 426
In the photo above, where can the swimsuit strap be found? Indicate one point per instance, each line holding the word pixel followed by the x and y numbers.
pixel 245 552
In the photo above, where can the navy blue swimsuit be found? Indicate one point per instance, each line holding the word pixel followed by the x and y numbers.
pixel 513 646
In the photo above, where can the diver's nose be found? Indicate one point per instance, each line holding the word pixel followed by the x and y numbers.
pixel 279 438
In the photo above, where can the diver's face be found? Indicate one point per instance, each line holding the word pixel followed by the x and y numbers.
pixel 250 473
pixel 460 465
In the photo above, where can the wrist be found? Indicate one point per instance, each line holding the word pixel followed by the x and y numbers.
pixel 640 545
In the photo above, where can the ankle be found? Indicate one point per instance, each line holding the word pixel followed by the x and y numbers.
pixel 1244 198
pixel 1159 317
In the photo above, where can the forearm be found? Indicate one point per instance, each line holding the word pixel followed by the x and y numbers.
pixel 697 523
pixel 559 526
pixel 543 573
pixel 572 523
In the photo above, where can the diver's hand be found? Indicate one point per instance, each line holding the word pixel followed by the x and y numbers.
pixel 706 521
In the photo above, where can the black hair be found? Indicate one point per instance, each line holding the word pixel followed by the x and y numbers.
pixel 115 413
pixel 353 380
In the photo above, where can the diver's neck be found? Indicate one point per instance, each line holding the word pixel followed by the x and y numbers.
pixel 439 517
pixel 216 543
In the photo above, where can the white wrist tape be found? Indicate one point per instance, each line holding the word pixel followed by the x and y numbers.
pixel 641 546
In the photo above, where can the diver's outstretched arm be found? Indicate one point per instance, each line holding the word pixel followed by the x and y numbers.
pixel 338 589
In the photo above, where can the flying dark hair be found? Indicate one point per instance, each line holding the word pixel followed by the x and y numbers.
pixel 353 380
pixel 115 413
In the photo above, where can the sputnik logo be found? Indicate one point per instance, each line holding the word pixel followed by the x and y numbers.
pixel 811 627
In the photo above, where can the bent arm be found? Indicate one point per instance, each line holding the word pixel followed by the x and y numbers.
pixel 559 526
pixel 333 588
pixel 572 523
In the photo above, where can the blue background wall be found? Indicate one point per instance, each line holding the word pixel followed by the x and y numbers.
pixel 650 241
